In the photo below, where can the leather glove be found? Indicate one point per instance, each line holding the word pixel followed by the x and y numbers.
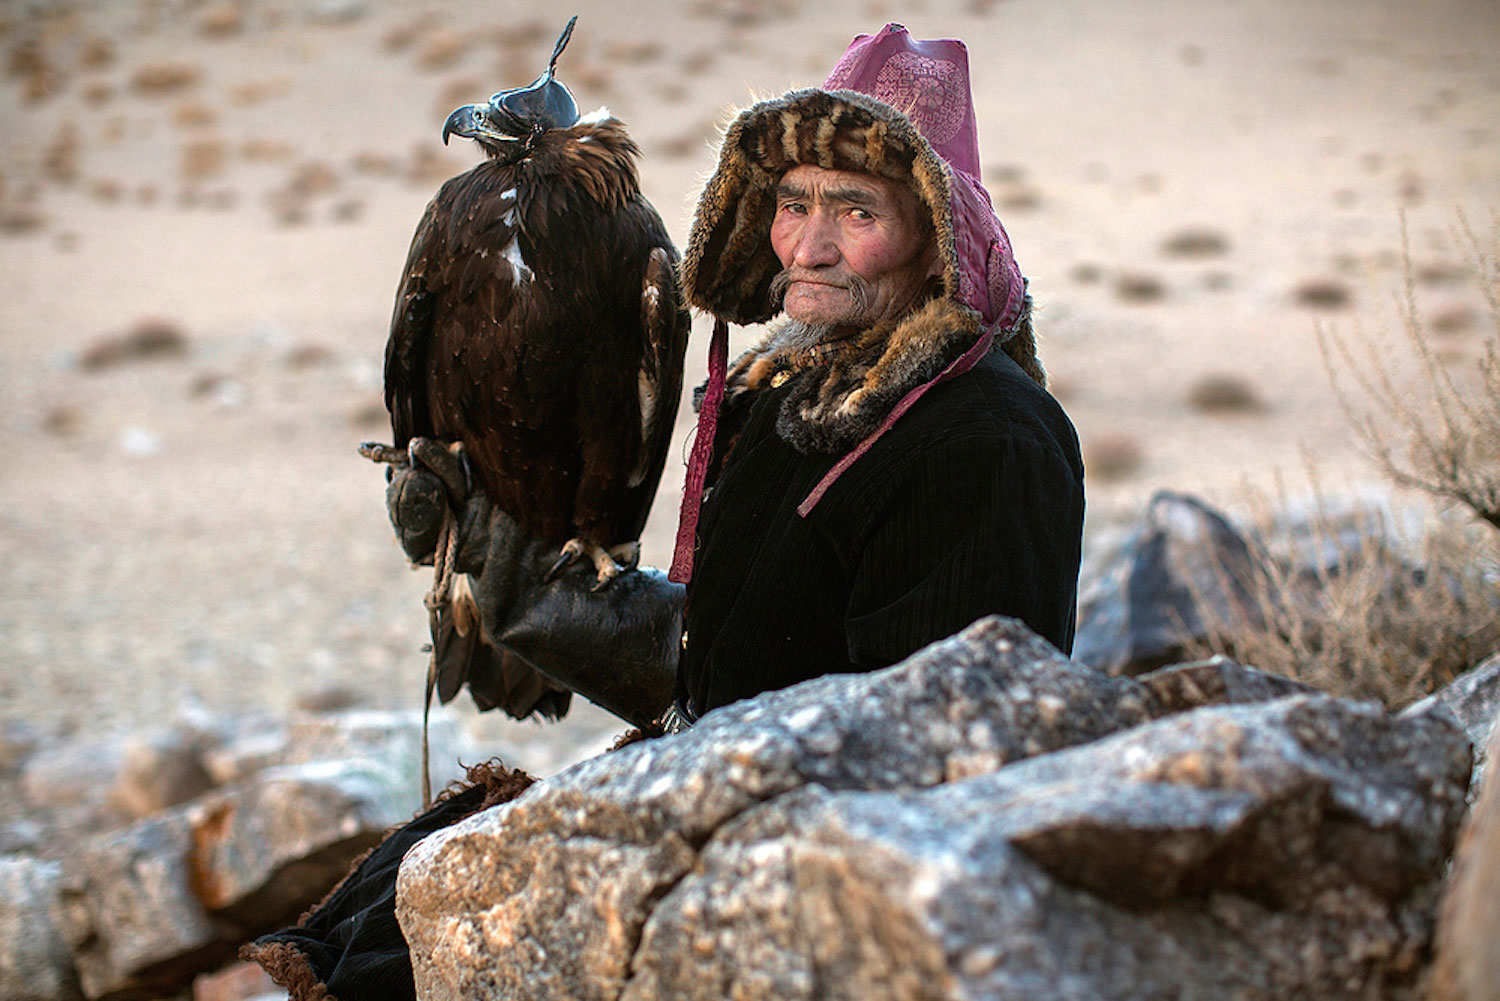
pixel 617 647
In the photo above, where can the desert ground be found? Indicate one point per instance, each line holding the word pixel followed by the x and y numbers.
pixel 204 209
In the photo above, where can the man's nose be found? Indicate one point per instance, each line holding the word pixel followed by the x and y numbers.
pixel 817 244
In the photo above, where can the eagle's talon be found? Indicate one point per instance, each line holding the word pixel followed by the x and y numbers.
pixel 608 563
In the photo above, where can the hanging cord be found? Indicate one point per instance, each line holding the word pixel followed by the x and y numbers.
pixel 443 559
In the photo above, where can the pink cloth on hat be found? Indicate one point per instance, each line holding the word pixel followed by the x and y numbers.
pixel 928 81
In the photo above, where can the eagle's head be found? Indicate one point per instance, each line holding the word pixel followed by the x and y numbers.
pixel 509 124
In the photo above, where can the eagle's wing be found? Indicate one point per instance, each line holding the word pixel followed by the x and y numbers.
pixel 664 326
pixel 409 346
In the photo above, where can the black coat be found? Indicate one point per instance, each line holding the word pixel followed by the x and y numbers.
pixel 970 505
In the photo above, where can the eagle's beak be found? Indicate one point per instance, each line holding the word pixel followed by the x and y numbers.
pixel 472 122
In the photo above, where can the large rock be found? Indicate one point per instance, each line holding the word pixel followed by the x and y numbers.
pixel 35 964
pixel 130 912
pixel 1145 608
pixel 613 834
pixel 1468 964
pixel 148 907
pixel 1473 698
pixel 961 826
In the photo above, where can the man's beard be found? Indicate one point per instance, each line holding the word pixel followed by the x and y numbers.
pixel 859 295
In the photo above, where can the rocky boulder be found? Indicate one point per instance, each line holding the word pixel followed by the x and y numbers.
pixel 35 964
pixel 1145 606
pixel 987 820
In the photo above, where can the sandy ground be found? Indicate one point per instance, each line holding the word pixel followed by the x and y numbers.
pixel 1192 186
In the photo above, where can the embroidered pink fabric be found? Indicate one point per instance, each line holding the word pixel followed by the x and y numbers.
pixel 703 450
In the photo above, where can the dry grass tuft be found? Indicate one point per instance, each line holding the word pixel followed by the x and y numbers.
pixel 222 20
pixel 1342 603
pixel 1322 293
pixel 1221 393
pixel 203 158
pixel 1139 288
pixel 148 339
pixel 1195 243
pixel 1112 456
pixel 161 79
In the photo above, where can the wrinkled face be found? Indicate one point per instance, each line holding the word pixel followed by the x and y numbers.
pixel 853 246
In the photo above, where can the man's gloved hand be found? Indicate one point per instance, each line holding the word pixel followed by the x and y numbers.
pixel 617 647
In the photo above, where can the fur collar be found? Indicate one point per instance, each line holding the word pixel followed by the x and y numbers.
pixel 842 391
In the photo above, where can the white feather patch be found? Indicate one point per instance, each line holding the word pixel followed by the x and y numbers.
pixel 517 262
pixel 646 391
pixel 594 117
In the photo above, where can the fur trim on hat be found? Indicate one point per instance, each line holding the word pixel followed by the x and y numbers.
pixel 729 262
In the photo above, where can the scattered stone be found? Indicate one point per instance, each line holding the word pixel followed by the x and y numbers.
pixel 376 164
pixel 60 159
pixel 18 741
pixel 1220 393
pixel 148 339
pixel 72 773
pixel 236 982
pixel 1322 293
pixel 140 442
pixel 858 837
pixel 130 912
pixel 1473 699
pixel 1086 273
pixel 35 964
pixel 325 698
pixel 313 178
pixel 1146 608
pixel 1195 243
pixel 161 769
pixel 393 738
pixel 194 115
pixel 267 849
pixel 1215 682
pixel 106 189
pixel 246 754
pixel 160 79
pixel 337 11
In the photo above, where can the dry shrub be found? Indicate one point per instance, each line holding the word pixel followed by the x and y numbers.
pixel 16 220
pixel 194 115
pixel 1448 438
pixel 442 48
pixel 222 20
pixel 203 158
pixel 1195 243
pixel 159 79
pixel 1342 602
pixel 1112 456
pixel 1139 288
pixel 1322 293
pixel 265 150
pixel 1221 393
pixel 375 164
pixel 60 159
pixel 149 338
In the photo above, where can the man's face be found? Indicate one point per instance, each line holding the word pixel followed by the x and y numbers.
pixel 852 245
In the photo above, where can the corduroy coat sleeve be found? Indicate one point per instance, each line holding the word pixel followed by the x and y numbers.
pixel 985 524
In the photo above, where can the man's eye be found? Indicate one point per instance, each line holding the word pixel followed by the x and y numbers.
pixel 796 208
pixel 861 214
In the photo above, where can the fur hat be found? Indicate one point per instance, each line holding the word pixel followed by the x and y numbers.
pixel 894 107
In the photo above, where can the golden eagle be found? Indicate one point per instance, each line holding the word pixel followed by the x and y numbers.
pixel 539 322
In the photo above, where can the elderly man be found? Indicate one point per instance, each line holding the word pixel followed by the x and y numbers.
pixel 886 466
pixel 882 470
